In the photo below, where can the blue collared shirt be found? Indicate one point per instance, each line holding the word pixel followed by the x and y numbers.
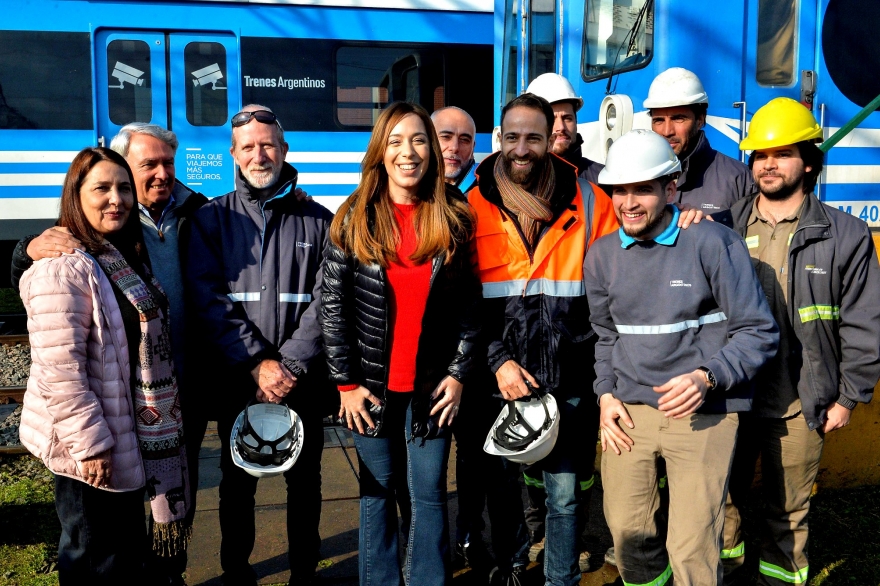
pixel 667 237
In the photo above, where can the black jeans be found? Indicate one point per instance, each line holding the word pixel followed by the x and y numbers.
pixel 487 481
pixel 237 490
pixel 103 537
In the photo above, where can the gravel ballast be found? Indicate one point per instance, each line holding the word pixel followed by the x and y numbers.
pixel 15 364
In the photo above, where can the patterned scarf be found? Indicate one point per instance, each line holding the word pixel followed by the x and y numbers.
pixel 156 408
pixel 530 208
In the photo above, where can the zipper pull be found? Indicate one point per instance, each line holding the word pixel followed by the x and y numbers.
pixel 161 236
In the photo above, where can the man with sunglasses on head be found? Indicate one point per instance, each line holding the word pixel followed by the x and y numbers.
pixel 255 283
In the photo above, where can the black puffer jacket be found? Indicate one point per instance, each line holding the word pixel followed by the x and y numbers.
pixel 354 321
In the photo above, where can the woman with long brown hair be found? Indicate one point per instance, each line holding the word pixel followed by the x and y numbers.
pixel 398 316
pixel 102 408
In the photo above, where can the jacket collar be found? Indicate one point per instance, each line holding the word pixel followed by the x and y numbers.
pixel 282 188
pixel 566 182
pixel 575 155
pixel 697 161
pixel 813 215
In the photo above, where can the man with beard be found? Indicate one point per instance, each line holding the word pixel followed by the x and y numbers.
pixel 818 269
pixel 709 180
pixel 535 221
pixel 255 282
pixel 682 326
pixel 456 131
pixel 565 141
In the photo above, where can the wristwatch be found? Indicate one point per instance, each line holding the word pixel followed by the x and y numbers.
pixel 710 378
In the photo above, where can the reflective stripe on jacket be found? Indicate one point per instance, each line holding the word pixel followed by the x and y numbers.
pixel 535 307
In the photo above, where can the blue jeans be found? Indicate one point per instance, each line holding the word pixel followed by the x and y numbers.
pixel 423 464
pixel 561 475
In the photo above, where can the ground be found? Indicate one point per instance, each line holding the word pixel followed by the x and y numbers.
pixel 845 541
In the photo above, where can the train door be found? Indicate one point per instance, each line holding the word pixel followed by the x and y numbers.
pixel 780 53
pixel 186 82
pixel 531 44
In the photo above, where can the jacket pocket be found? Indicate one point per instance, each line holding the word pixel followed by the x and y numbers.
pixel 492 250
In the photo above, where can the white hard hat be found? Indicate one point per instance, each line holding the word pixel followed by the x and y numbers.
pixel 555 88
pixel 525 430
pixel 675 87
pixel 638 155
pixel 266 439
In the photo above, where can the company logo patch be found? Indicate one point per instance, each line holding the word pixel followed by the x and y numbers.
pixel 814 270
pixel 303 244
pixel 678 283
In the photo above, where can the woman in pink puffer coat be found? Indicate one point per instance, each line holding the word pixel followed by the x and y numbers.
pixel 101 407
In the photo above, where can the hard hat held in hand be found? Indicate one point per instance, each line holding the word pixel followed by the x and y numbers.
pixel 676 87
pixel 266 439
pixel 525 430
pixel 555 88
pixel 638 155
pixel 781 122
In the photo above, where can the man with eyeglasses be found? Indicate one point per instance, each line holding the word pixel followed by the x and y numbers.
pixel 255 283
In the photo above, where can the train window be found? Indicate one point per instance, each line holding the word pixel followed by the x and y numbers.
pixel 510 65
pixel 618 37
pixel 129 83
pixel 39 71
pixel 542 38
pixel 777 23
pixel 369 78
pixel 206 100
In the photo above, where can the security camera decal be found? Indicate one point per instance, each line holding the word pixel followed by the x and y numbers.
pixel 125 73
pixel 210 74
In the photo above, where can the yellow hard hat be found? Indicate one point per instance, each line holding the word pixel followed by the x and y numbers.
pixel 780 122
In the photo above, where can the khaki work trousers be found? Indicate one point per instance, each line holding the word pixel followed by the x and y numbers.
pixel 698 451
pixel 790 455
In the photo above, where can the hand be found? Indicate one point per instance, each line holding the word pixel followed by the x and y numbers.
pixel 353 408
pixel 450 391
pixel 302 195
pixel 611 410
pixel 53 243
pixel 838 416
pixel 690 216
pixel 512 380
pixel 682 395
pixel 273 380
pixel 96 470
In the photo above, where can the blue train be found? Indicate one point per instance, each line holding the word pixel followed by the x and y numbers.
pixel 824 53
pixel 72 72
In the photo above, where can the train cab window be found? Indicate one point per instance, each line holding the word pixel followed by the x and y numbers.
pixel 618 37
pixel 542 38
pixel 510 64
pixel 205 70
pixel 129 83
pixel 777 23
pixel 369 78
pixel 38 72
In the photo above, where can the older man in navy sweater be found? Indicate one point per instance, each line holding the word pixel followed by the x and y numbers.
pixel 683 325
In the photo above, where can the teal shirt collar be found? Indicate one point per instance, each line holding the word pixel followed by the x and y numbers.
pixel 667 237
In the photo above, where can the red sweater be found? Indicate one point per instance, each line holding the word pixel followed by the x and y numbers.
pixel 408 286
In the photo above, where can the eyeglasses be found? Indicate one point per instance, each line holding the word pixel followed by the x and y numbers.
pixel 263 116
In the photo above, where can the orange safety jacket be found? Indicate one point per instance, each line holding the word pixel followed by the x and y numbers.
pixel 535 307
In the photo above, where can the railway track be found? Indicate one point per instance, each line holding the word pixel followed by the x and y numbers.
pixel 12 394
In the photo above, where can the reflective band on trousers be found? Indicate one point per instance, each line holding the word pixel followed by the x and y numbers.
pixel 799 577
pixel 812 312
pixel 524 288
pixel 283 297
pixel 658 581
pixel 712 318
pixel 736 552
pixel 588 484
pixel 533 481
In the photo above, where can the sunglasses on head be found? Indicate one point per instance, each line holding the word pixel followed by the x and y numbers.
pixel 263 116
